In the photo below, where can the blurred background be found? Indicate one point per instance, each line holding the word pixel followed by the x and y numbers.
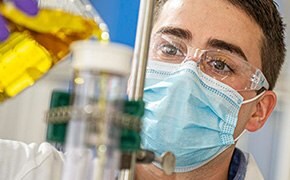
pixel 22 118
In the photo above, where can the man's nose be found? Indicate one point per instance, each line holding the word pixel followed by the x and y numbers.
pixel 194 55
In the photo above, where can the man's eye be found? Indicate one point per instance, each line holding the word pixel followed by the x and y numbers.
pixel 220 66
pixel 169 49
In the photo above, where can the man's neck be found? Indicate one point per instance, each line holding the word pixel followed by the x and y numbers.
pixel 217 169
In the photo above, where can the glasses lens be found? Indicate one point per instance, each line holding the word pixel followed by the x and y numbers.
pixel 223 66
pixel 228 69
pixel 168 49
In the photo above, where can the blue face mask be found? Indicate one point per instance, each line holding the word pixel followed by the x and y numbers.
pixel 188 113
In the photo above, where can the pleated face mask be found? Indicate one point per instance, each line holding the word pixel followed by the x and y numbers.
pixel 187 113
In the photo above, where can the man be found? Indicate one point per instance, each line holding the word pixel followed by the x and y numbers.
pixel 204 86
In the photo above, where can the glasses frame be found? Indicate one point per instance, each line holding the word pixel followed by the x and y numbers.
pixel 258 81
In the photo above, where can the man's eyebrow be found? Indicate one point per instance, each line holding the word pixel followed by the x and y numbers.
pixel 175 31
pixel 222 45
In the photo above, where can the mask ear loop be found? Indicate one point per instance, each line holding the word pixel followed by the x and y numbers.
pixel 254 98
pixel 239 136
pixel 245 102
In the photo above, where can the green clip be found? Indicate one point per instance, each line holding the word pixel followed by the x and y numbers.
pixel 130 137
pixel 56 131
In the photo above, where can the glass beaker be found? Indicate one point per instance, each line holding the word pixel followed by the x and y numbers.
pixel 99 92
pixel 38 43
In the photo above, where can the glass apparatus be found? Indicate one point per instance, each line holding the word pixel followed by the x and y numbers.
pixel 38 43
pixel 99 92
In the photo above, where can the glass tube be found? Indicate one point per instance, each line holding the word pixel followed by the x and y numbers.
pixel 100 77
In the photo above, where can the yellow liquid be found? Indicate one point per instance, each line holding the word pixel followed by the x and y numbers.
pixel 37 43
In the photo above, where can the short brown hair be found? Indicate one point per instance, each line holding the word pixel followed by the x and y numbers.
pixel 267 16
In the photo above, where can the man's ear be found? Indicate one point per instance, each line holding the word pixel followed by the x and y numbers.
pixel 264 108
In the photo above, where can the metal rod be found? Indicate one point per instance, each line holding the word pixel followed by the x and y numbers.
pixel 139 64
pixel 141 49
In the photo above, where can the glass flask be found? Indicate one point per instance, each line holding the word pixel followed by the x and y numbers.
pixel 38 43
pixel 98 95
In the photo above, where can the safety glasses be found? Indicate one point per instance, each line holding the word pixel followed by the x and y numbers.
pixel 226 67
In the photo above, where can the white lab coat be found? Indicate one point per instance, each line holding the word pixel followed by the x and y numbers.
pixel 253 171
pixel 19 161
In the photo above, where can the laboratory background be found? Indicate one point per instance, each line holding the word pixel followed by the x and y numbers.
pixel 23 118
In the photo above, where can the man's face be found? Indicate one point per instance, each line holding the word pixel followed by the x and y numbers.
pixel 205 20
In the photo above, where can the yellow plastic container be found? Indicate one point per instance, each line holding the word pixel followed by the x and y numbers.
pixel 37 43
